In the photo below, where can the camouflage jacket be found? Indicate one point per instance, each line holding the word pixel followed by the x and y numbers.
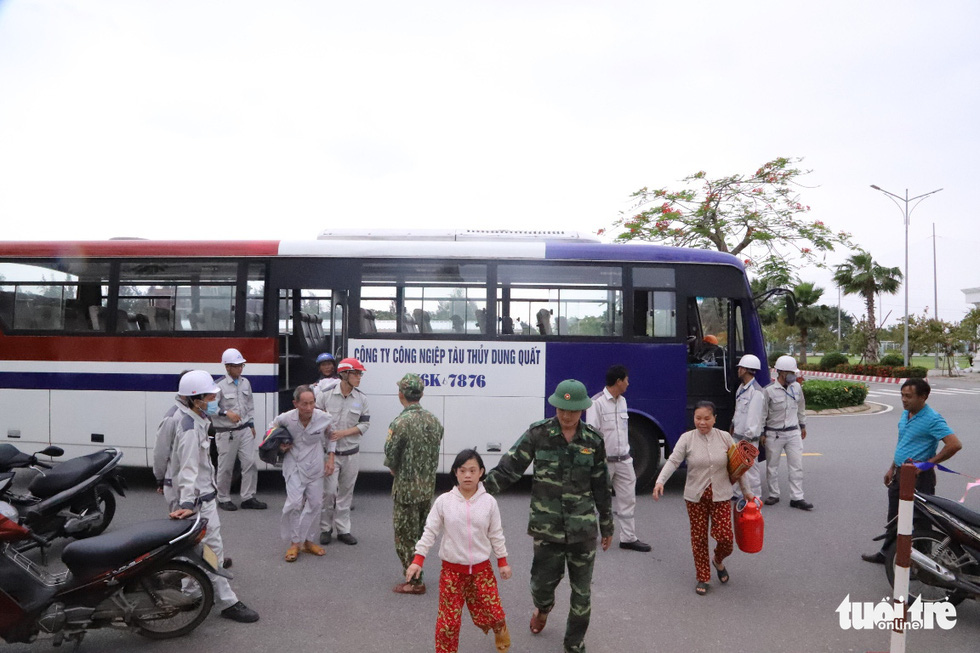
pixel 571 482
pixel 412 453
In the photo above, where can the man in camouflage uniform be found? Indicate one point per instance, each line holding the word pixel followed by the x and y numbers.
pixel 571 483
pixel 412 455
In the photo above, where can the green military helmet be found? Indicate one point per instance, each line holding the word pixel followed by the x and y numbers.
pixel 570 395
pixel 411 386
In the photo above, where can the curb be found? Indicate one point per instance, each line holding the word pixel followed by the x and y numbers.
pixel 867 408
pixel 854 377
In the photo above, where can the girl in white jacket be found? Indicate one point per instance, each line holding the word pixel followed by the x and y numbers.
pixel 471 521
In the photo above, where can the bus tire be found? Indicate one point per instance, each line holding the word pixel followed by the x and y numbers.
pixel 645 441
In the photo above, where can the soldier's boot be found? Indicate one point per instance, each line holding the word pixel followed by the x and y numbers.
pixel 501 637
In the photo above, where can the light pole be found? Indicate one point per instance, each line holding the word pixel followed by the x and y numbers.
pixel 906 212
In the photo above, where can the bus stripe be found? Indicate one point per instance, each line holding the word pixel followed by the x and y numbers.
pixel 112 382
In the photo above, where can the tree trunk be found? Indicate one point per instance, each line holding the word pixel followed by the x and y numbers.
pixel 803 339
pixel 871 349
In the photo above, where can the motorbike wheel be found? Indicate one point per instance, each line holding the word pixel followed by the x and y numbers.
pixel 939 548
pixel 105 503
pixel 172 601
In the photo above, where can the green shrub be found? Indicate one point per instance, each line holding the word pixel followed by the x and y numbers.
pixel 914 372
pixel 892 360
pixel 834 394
pixel 773 356
pixel 832 360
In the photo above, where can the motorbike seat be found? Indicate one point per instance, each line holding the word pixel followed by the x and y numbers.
pixel 93 556
pixel 957 509
pixel 68 474
pixel 11 457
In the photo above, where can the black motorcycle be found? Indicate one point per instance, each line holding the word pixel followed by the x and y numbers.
pixel 148 577
pixel 71 499
pixel 945 563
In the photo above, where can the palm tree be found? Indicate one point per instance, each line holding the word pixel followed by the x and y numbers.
pixel 808 314
pixel 861 275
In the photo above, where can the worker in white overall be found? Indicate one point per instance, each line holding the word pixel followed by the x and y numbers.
pixel 193 481
pixel 749 419
pixel 785 431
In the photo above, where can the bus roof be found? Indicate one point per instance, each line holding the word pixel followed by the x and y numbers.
pixel 372 248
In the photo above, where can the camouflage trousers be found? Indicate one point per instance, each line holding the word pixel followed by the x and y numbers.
pixel 547 570
pixel 409 521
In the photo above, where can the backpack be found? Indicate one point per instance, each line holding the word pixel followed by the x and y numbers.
pixel 269 448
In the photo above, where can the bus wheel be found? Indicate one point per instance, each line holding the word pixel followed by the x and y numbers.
pixel 645 440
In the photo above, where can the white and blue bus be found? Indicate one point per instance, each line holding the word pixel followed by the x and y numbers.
pixel 94 335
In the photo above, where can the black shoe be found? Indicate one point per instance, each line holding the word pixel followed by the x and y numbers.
pixel 240 613
pixel 226 564
pixel 874 558
pixel 771 501
pixel 346 538
pixel 229 506
pixel 801 504
pixel 254 504
pixel 325 537
pixel 636 545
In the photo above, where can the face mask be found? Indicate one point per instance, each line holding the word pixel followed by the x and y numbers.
pixel 212 408
pixel 790 378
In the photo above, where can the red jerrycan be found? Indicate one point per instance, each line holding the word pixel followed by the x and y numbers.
pixel 749 525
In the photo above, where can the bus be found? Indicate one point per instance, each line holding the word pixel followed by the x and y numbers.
pixel 94 334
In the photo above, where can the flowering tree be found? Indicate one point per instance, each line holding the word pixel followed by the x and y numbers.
pixel 758 217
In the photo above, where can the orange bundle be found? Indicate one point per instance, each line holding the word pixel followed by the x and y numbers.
pixel 741 456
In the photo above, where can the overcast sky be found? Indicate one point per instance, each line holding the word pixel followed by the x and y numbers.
pixel 275 120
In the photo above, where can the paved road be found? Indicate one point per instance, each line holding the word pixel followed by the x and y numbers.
pixel 782 599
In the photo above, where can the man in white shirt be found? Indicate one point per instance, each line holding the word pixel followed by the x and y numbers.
pixel 235 434
pixel 608 416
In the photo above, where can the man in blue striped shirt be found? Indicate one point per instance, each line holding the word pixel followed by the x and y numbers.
pixel 920 430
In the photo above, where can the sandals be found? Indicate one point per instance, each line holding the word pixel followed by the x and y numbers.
pixel 292 553
pixel 701 589
pixel 722 573
pixel 309 547
pixel 538 621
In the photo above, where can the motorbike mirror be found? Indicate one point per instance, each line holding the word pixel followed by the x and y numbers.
pixel 54 452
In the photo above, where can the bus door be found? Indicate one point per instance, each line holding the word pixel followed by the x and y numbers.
pixel 715 340
pixel 312 321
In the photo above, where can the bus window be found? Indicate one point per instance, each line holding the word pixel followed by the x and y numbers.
pixel 559 300
pixel 445 309
pixel 426 297
pixel 655 313
pixel 176 296
pixel 63 295
pixel 255 298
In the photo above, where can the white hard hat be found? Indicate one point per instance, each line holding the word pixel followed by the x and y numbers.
pixel 750 362
pixel 232 357
pixel 197 382
pixel 785 364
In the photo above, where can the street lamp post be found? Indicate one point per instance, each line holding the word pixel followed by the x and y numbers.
pixel 906 212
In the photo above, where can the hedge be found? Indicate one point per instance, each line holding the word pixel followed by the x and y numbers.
pixel 884 370
pixel 891 360
pixel 822 394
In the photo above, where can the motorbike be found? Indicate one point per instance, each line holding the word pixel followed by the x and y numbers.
pixel 71 499
pixel 945 563
pixel 149 577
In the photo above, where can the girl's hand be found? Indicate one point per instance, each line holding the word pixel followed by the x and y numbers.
pixel 414 570
pixel 658 491
pixel 505 572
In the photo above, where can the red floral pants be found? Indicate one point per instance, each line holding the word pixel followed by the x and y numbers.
pixel 720 514
pixel 478 590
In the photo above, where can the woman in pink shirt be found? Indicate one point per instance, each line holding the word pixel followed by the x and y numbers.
pixel 471 521
pixel 708 491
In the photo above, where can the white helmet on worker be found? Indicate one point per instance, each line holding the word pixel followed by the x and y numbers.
pixel 197 382
pixel 786 364
pixel 750 362
pixel 232 357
